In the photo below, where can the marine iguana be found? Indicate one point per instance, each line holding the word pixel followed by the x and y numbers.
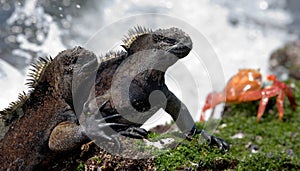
pixel 31 120
pixel 43 122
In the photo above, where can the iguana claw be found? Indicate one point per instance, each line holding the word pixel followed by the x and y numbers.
pixel 98 127
pixel 135 132
pixel 212 140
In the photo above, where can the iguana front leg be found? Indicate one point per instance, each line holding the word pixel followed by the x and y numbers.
pixel 185 122
pixel 128 131
pixel 69 135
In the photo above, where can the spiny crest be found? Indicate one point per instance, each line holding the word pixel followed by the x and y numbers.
pixel 111 55
pixel 36 71
pixel 13 106
pixel 133 34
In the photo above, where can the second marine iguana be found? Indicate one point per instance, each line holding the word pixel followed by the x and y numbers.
pixel 26 144
pixel 134 83
pixel 44 121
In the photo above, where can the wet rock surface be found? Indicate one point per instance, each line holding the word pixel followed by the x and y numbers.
pixel 93 158
pixel 285 61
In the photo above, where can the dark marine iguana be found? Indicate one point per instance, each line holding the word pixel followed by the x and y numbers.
pixel 43 122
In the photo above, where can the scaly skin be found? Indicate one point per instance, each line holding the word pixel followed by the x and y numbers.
pixel 25 145
pixel 49 125
pixel 158 50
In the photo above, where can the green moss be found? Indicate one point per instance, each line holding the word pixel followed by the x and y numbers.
pixel 80 167
pixel 191 154
pixel 277 142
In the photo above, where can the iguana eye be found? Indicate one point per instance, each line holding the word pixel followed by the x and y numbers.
pixel 169 40
pixel 157 37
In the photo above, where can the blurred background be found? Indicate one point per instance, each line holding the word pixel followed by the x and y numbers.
pixel 242 34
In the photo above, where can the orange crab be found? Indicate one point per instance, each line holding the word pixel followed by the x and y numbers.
pixel 246 86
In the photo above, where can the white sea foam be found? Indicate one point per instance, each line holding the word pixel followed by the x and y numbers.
pixel 12 83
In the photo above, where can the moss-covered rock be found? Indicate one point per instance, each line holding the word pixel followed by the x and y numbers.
pixel 269 144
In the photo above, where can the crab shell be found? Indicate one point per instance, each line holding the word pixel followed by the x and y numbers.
pixel 245 80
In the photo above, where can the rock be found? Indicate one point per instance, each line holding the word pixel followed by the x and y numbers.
pixel 285 61
pixel 237 136
pixel 252 147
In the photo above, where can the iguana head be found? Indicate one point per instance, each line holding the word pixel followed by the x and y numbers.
pixel 172 40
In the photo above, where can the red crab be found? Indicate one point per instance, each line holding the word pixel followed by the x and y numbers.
pixel 246 86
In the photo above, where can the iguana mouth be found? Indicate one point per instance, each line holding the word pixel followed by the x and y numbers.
pixel 180 50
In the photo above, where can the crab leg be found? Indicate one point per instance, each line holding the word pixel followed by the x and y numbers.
pixel 250 96
pixel 289 94
pixel 266 94
pixel 262 106
pixel 212 100
pixel 279 103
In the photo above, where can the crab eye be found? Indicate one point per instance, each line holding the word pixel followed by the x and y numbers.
pixel 258 80
pixel 157 37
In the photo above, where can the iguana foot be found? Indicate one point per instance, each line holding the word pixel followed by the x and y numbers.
pixel 86 147
pixel 132 132
pixel 98 127
pixel 212 140
pixel 100 130
pixel 135 132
